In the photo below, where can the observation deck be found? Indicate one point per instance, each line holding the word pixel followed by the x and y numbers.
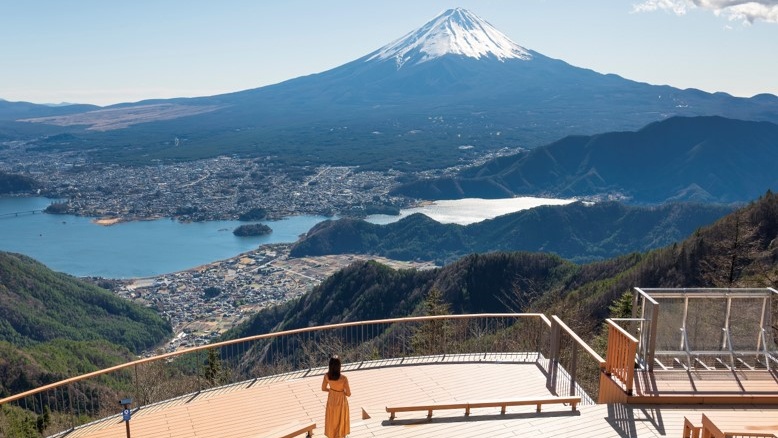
pixel 255 409
pixel 651 381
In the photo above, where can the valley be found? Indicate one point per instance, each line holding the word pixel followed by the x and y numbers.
pixel 242 286
pixel 221 188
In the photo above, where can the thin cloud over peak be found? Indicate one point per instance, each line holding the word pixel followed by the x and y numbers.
pixel 740 10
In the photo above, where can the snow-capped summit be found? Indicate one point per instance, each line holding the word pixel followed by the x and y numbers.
pixel 455 31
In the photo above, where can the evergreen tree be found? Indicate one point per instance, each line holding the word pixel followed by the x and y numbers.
pixel 213 373
pixel 432 337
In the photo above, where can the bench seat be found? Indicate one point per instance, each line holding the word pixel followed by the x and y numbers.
pixel 467 406
pixel 291 431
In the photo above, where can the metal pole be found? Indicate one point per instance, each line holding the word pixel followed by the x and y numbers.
pixel 137 385
pixel 683 323
pixel 553 355
pixel 762 325
pixel 127 421
pixel 727 341
pixel 652 335
pixel 574 369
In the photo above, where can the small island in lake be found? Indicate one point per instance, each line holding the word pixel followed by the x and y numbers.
pixel 252 230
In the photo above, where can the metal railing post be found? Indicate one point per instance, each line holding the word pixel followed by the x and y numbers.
pixel 652 336
pixel 553 355
pixel 573 369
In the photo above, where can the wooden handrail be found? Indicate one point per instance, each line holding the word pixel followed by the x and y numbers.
pixel 166 356
pixel 620 359
pixel 620 329
pixel 691 428
pixel 580 341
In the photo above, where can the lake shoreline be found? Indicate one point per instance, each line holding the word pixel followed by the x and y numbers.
pixel 129 247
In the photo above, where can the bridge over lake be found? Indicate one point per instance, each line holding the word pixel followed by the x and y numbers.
pixel 19 213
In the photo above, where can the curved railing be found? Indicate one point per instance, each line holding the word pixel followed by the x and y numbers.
pixel 63 405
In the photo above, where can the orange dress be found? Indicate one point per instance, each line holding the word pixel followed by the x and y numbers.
pixel 337 423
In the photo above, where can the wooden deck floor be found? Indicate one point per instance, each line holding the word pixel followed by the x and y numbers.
pixel 706 386
pixel 251 409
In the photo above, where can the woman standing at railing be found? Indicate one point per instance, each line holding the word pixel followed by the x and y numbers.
pixel 337 423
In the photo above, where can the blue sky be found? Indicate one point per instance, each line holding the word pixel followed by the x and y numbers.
pixel 104 52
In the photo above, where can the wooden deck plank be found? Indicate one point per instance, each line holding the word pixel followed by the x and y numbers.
pixel 249 411
pixel 709 387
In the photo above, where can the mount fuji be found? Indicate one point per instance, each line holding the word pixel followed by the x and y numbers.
pixel 452 90
pixel 454 32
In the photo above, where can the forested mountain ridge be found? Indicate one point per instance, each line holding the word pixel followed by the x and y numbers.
pixel 40 305
pixel 577 232
pixel 54 326
pixel 704 159
pixel 13 183
pixel 738 250
pixel 370 290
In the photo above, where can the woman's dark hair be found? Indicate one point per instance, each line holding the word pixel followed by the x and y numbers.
pixel 334 371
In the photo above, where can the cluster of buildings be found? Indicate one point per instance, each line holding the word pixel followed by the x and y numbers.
pixel 220 188
pixel 204 302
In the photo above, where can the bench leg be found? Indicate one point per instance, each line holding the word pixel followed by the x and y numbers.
pixel 391 417
pixel 429 413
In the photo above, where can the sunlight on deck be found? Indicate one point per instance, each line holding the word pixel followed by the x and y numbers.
pixel 255 408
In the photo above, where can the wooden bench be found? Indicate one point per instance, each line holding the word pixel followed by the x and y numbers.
pixel 467 406
pixel 691 429
pixel 292 430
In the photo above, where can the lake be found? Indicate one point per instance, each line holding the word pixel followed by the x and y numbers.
pixel 470 210
pixel 77 246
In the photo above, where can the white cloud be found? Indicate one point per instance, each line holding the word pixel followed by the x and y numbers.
pixel 739 10
pixel 677 6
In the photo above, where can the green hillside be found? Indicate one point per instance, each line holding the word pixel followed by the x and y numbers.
pixel 53 326
pixel 12 183
pixel 739 250
pixel 578 232
pixel 39 305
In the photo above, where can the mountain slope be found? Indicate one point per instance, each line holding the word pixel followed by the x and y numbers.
pixel 710 159
pixel 53 326
pixel 13 183
pixel 39 305
pixel 23 110
pixel 474 284
pixel 576 232
pixel 460 82
pixel 580 294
